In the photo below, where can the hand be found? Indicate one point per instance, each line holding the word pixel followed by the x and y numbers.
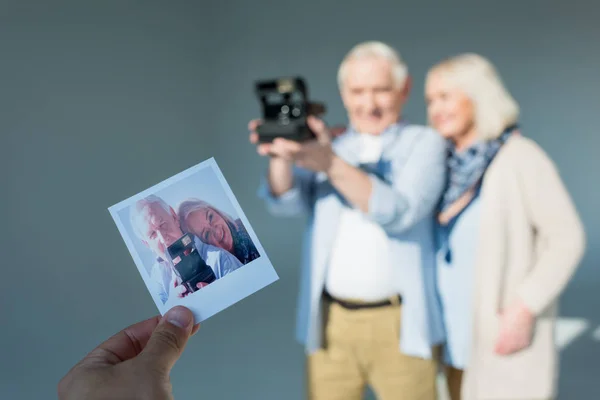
pixel 200 285
pixel 316 155
pixel 261 148
pixel 181 291
pixel 516 329
pixel 133 364
pixel 178 290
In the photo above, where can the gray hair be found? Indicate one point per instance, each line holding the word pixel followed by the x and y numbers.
pixel 375 49
pixel 136 210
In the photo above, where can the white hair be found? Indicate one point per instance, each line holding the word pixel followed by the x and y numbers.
pixel 495 108
pixel 136 210
pixel 375 49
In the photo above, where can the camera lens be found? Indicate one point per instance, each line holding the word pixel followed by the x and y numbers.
pixel 295 111
pixel 285 109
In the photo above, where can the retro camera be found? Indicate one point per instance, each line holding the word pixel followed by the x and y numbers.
pixel 189 267
pixel 285 107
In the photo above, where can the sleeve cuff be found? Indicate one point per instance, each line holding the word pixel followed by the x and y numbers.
pixel 285 205
pixel 532 300
pixel 264 192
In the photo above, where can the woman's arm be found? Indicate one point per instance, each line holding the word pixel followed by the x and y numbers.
pixel 557 224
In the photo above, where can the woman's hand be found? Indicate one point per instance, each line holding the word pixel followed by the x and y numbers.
pixel 516 329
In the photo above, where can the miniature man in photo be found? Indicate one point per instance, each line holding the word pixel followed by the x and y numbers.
pixel 157 226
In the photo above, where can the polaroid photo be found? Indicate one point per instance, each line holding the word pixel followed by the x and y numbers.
pixel 192 243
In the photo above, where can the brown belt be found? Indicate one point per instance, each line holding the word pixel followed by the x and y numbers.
pixel 357 306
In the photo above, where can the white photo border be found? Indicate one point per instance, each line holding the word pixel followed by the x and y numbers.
pixel 223 292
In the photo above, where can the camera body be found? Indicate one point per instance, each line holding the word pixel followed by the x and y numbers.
pixel 285 108
pixel 189 267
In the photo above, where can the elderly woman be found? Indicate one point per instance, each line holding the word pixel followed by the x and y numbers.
pixel 509 239
pixel 216 228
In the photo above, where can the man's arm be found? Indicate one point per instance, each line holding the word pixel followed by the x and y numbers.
pixel 414 193
pixel 554 216
pixel 352 183
pixel 287 189
pixel 280 176
pixel 157 282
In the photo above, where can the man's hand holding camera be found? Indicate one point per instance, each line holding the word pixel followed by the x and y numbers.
pixel 316 155
pixel 180 291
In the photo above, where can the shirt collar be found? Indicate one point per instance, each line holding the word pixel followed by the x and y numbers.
pixel 388 134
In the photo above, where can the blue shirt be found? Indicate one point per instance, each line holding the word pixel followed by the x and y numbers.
pixel 407 183
pixel 221 262
pixel 456 261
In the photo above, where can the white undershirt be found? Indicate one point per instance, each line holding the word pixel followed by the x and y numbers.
pixel 359 267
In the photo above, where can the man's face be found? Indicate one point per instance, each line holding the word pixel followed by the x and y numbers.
pixel 371 96
pixel 160 228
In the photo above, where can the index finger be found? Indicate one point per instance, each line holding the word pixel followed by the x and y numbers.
pixel 252 125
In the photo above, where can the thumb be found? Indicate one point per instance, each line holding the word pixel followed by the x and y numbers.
pixel 319 128
pixel 169 339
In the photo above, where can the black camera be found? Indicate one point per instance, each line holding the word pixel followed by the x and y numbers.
pixel 187 263
pixel 285 107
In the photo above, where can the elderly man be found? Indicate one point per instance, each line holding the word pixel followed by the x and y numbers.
pixel 367 313
pixel 157 226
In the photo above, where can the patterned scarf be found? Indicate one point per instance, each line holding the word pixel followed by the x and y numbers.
pixel 466 168
pixel 243 247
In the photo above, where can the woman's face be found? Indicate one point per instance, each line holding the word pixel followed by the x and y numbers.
pixel 449 109
pixel 210 227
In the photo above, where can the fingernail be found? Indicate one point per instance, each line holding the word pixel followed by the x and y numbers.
pixel 179 316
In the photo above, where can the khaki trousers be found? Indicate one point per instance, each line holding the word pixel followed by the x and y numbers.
pixel 361 348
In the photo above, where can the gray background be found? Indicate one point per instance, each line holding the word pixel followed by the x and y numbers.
pixel 100 100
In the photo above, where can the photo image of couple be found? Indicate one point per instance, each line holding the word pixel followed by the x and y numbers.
pixel 187 242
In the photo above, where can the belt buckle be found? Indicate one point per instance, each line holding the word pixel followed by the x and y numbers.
pixel 395 300
pixel 349 305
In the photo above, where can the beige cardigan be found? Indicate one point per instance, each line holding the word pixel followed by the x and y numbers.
pixel 531 243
